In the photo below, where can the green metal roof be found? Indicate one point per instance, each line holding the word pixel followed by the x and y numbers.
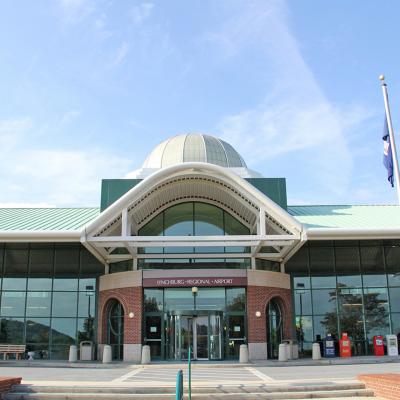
pixel 345 216
pixel 340 216
pixel 48 219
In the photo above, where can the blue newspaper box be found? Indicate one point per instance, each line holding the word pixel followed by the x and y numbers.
pixel 329 346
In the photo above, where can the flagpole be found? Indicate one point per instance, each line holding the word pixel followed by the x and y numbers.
pixel 391 135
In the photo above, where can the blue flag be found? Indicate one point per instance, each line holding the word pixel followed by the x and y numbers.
pixel 387 152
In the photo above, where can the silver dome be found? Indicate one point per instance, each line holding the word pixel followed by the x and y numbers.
pixel 194 147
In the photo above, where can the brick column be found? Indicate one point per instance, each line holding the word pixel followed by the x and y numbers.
pixel 131 301
pixel 258 298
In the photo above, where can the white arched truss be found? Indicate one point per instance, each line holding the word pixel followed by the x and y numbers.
pixel 113 234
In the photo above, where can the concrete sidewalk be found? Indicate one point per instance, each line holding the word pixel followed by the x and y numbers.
pixel 210 364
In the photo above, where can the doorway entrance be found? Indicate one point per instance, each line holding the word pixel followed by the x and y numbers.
pixel 202 333
pixel 115 329
pixel 274 328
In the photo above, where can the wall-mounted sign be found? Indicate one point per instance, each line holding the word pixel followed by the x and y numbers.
pixel 153 329
pixel 236 328
pixel 190 282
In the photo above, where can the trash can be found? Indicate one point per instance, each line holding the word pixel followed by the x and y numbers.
pixel 392 345
pixel 292 349
pixel 329 346
pixel 86 351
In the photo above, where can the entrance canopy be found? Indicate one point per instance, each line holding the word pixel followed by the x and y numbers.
pixel 114 234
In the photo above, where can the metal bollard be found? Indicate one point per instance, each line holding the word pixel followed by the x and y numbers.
pixel 179 386
pixel 73 353
pixel 316 351
pixel 243 354
pixel 283 352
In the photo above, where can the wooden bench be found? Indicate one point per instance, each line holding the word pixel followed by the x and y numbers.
pixel 17 349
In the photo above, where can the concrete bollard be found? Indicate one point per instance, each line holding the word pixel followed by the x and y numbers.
pixel 283 352
pixel 316 351
pixel 107 355
pixel 146 358
pixel 73 353
pixel 244 354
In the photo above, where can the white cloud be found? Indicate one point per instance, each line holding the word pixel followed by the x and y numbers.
pixel 141 12
pixel 52 176
pixel 26 205
pixel 295 117
pixel 120 55
pixel 75 11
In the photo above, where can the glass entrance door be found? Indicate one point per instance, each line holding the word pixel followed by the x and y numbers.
pixel 200 338
pixel 202 333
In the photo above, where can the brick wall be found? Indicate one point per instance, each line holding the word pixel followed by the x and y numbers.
pixel 7 382
pixel 383 385
pixel 257 300
pixel 131 300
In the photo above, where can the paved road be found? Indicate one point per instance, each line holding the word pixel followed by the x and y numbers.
pixel 166 374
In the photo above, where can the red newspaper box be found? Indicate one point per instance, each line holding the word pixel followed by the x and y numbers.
pixel 345 346
pixel 379 349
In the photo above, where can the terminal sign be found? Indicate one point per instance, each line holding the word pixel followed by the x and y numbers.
pixel 182 282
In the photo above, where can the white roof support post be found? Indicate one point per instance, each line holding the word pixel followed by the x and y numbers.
pixel 263 230
pixel 126 231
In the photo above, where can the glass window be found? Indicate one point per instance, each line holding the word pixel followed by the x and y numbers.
pixel 13 304
pixel 66 261
pixel 394 299
pixel 178 299
pixel 41 350
pixel 298 264
pixel 178 220
pixel 376 311
pixel 14 283
pixel 351 312
pixel 210 299
pixel 372 266
pixel 396 324
pixel 392 254
pixel 37 330
pixel 324 324
pixel 90 266
pixel 86 304
pixel 153 300
pixel 209 220
pixel 235 299
pixel 64 304
pixel 87 284
pixel 60 352
pixel 16 261
pixel 38 304
pixel 41 262
pixel 40 283
pixel 348 266
pixel 86 329
pixel 324 301
pixel 63 330
pixel 322 267
pixel 12 330
pixel 302 301
pixel 236 327
pixel 153 327
pixel 155 227
pixel 302 282
pixel 304 330
pixel 65 284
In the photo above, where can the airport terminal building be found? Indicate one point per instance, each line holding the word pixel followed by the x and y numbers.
pixel 195 249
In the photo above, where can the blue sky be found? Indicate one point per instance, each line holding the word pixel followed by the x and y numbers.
pixel 90 87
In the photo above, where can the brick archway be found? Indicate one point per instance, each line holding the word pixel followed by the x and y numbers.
pixel 258 298
pixel 131 301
